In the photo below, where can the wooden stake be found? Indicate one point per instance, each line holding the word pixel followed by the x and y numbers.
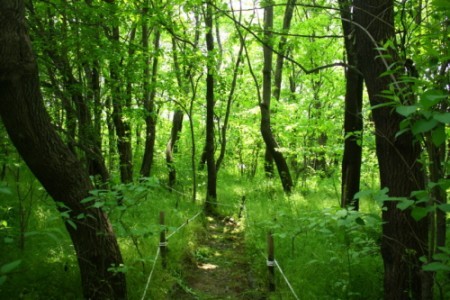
pixel 271 261
pixel 162 240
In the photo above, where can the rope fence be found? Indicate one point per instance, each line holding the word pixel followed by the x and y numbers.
pixel 271 262
pixel 161 250
pixel 151 274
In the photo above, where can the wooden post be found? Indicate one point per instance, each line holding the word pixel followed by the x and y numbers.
pixel 162 240
pixel 271 261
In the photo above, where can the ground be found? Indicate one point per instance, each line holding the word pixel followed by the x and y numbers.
pixel 219 267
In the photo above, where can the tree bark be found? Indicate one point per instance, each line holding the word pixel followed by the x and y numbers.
pixel 266 131
pixel 54 165
pixel 177 125
pixel 353 123
pixel 404 240
pixel 278 76
pixel 211 193
pixel 149 101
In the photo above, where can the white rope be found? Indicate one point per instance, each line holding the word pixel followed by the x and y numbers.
pixel 184 224
pixel 151 273
pixel 285 279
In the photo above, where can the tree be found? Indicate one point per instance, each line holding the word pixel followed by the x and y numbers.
pixel 211 193
pixel 30 129
pixel 266 131
pixel 149 94
pixel 404 239
pixel 353 124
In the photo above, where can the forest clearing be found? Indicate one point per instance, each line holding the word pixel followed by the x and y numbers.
pixel 208 149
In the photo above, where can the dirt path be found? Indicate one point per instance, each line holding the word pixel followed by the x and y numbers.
pixel 219 269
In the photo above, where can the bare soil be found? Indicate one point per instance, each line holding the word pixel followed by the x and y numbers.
pixel 218 268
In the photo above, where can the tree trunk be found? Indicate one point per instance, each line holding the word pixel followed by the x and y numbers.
pixel 54 165
pixel 266 131
pixel 177 124
pixel 288 13
pixel 353 123
pixel 149 102
pixel 123 129
pixel 404 240
pixel 211 193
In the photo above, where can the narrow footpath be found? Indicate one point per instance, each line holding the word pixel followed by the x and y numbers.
pixel 219 268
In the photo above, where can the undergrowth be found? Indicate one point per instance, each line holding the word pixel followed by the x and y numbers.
pixel 324 251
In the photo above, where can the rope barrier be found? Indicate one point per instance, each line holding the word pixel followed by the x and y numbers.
pixel 150 276
pixel 275 263
pixel 176 191
pixel 184 224
pixel 285 279
pixel 158 252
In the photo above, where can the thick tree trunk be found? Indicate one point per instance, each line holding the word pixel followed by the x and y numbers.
pixel 266 131
pixel 404 240
pixel 30 129
pixel 353 123
pixel 211 193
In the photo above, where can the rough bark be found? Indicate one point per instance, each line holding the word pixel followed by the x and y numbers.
pixel 266 131
pixel 404 240
pixel 54 165
pixel 353 123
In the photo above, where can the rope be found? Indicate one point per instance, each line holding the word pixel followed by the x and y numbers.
pixel 285 279
pixel 184 224
pixel 176 191
pixel 150 276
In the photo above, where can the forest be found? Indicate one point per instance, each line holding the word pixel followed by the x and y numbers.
pixel 224 149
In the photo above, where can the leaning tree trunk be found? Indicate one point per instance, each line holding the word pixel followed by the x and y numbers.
pixel 404 239
pixel 353 123
pixel 54 165
pixel 266 131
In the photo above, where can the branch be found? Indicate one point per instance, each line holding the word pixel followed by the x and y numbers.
pixel 304 69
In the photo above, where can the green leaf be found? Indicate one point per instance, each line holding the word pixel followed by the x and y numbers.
pixel 422 126
pixel 419 213
pixel 431 97
pixel 438 135
pixel 405 204
pixel 442 4
pixel 442 117
pixel 72 223
pixel 5 190
pixel 406 110
pixel 360 221
pixel 444 207
pixel 436 266
pixel 98 204
pixel 10 266
pixel 88 199
pixel 2 279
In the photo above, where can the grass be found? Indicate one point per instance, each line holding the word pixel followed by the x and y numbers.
pixel 324 251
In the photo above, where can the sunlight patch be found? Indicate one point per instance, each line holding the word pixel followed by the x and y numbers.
pixel 207 266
